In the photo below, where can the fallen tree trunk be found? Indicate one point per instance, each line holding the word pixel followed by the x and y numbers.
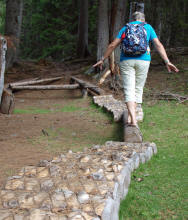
pixel 47 87
pixel 34 81
pixel 89 86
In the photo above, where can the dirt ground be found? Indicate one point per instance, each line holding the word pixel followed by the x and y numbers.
pixel 46 123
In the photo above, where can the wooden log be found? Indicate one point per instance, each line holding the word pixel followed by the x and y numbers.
pixel 88 85
pixel 102 79
pixel 3 48
pixel 34 81
pixel 47 87
pixel 22 82
pixel 132 134
pixel 7 102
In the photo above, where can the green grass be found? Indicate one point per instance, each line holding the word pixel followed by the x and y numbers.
pixel 100 124
pixel 57 108
pixel 32 111
pixel 163 193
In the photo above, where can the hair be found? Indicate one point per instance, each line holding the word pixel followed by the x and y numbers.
pixel 138 16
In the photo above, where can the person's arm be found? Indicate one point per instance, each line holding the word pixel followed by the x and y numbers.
pixel 159 47
pixel 108 52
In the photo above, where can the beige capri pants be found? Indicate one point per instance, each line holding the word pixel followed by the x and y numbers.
pixel 134 74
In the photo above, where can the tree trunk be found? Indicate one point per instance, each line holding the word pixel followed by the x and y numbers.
pixel 3 48
pixel 117 22
pixel 135 6
pixel 13 23
pixel 159 18
pixel 82 44
pixel 103 29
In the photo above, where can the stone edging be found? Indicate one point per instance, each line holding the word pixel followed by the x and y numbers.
pixel 111 209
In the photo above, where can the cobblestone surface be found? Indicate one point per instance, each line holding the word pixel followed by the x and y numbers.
pixel 85 185
pixel 116 107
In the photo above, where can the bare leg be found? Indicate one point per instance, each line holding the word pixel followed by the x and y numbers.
pixel 131 106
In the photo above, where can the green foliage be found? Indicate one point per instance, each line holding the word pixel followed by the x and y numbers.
pixel 2 16
pixel 50 29
pixel 163 192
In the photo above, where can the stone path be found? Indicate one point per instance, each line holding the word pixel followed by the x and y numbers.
pixel 116 107
pixel 86 185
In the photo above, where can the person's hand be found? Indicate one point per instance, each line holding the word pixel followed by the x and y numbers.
pixel 171 68
pixel 99 63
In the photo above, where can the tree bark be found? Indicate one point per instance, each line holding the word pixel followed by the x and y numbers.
pixel 13 23
pixel 135 6
pixel 159 18
pixel 82 44
pixel 3 48
pixel 103 29
pixel 117 22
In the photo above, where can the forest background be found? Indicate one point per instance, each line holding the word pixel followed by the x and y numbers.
pixel 63 29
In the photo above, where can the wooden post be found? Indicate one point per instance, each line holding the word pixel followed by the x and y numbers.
pixel 84 92
pixel 7 102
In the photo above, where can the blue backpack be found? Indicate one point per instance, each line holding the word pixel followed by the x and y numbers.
pixel 134 41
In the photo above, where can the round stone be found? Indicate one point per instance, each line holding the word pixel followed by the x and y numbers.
pixel 110 176
pixel 38 214
pixel 72 202
pixel 30 171
pixel 14 184
pixel 39 198
pixel 26 201
pixel 7 195
pixel 87 208
pixel 47 185
pixel 5 214
pixel 32 185
pixel 42 172
pixel 99 209
pixel 83 197
pixel 85 159
pixel 58 200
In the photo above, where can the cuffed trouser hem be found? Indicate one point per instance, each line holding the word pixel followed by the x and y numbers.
pixel 134 73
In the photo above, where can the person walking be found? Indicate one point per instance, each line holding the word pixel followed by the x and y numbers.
pixel 134 67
